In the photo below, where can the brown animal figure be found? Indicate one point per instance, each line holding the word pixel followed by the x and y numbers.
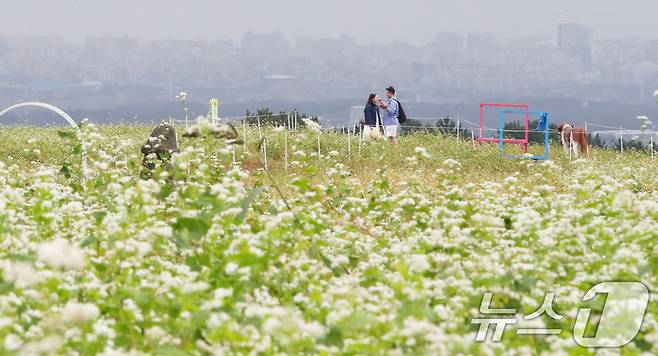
pixel 573 138
pixel 226 131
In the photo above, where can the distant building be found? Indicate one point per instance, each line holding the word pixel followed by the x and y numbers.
pixel 575 41
pixel 482 42
pixel 449 41
pixel 652 51
pixel 356 114
pixel 572 35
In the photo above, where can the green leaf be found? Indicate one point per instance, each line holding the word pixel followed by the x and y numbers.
pixel 168 350
pixel 66 134
pixel 355 322
pixel 190 228
pixel 20 258
pixel 246 203
pixel 89 241
pixel 99 216
pixel 66 171
pixel 302 184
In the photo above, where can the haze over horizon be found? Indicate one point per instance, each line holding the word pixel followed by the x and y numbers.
pixel 297 56
pixel 414 21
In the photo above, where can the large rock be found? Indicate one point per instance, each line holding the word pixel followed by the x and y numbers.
pixel 162 142
pixel 163 139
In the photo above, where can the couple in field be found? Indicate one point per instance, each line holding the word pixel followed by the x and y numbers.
pixel 382 113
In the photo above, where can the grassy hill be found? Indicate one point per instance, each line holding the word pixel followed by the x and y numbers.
pixel 379 249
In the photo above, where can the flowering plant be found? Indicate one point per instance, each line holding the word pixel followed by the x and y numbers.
pixel 388 252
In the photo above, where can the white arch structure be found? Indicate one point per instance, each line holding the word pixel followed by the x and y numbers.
pixel 52 108
pixel 59 112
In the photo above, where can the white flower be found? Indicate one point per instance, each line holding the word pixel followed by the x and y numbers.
pixel 422 151
pixel 339 260
pixel 315 329
pixel 418 263
pixel 655 93
pixel 451 163
pixel 549 164
pixel 12 342
pixel 623 200
pixel 312 125
pixel 511 180
pixel 407 202
pixel 76 313
pixel 222 293
pixel 163 231
pixel 231 268
pixel 22 274
pixel 61 253
pixel 181 97
pixel 155 333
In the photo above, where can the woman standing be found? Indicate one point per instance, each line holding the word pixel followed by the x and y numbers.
pixel 372 118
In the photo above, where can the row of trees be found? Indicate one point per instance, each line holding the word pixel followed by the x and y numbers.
pixel 448 126
pixel 595 140
pixel 267 118
pixel 514 129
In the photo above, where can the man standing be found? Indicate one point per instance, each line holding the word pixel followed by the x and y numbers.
pixel 391 109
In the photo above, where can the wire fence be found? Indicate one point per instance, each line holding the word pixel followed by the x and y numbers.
pixel 267 132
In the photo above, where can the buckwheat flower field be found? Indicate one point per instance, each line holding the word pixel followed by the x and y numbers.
pixel 384 251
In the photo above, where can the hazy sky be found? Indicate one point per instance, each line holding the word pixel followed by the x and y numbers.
pixel 366 20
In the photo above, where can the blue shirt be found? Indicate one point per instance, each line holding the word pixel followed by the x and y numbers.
pixel 390 114
pixel 371 113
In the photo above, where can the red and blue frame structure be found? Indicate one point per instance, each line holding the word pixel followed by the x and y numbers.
pixel 501 140
pixel 544 123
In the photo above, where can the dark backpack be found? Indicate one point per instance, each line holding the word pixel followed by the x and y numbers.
pixel 402 117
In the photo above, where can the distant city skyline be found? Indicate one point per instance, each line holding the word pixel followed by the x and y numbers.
pixel 112 78
pixel 413 21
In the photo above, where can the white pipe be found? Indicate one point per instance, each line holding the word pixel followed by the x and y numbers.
pixel 621 140
pixel 473 137
pixel 244 139
pixel 66 117
pixel 360 140
pixel 265 153
pixel 285 149
pixel 53 108
pixel 349 145
pixel 319 152
pixel 260 130
pixel 571 144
